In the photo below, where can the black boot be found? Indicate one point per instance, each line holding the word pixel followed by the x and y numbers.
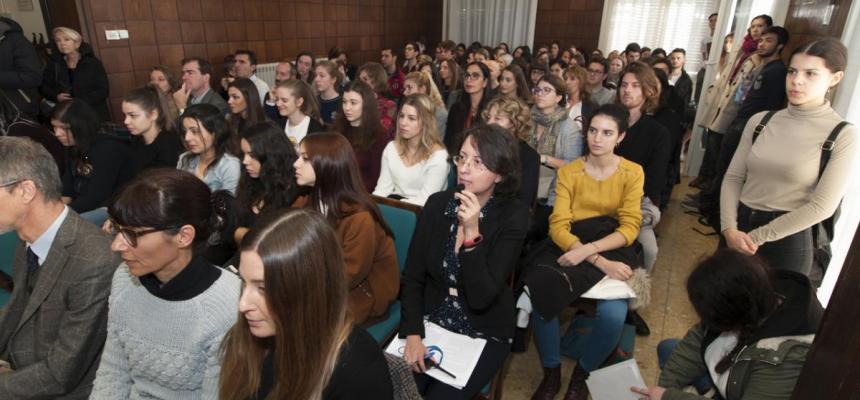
pixel 577 389
pixel 633 318
pixel 549 385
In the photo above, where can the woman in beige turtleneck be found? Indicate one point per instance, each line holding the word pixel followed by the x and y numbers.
pixel 771 195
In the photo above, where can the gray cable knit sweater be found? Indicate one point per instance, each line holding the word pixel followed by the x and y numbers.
pixel 164 349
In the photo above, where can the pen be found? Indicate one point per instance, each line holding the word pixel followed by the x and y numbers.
pixel 430 361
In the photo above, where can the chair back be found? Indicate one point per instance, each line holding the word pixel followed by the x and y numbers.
pixel 402 218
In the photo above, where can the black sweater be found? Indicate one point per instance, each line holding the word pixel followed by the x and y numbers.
pixel 163 152
pixel 88 81
pixel 361 371
pixel 92 187
pixel 484 271
pixel 530 162
pixel 647 143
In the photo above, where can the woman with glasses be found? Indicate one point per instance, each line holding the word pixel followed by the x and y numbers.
pixel 466 112
pixel 168 308
pixel 555 137
pixel 463 252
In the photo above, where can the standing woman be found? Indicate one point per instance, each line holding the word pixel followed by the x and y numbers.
pixel 268 182
pixel 452 83
pixel 516 118
pixel 95 162
pixel 296 101
pixel 168 307
pixel 374 75
pixel 593 228
pixel 512 83
pixel 554 136
pixel 358 121
pixel 328 82
pixel 415 163
pixel 75 72
pixel 327 167
pixel 208 139
pixel 155 143
pixel 774 192
pixel 465 248
pixel 294 307
pixel 243 98
pixel 466 112
pixel 422 82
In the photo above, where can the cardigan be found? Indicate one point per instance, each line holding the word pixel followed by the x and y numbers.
pixel 484 270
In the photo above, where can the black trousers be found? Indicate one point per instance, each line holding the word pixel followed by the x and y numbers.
pixel 793 252
pixel 712 150
pixel 728 145
pixel 491 361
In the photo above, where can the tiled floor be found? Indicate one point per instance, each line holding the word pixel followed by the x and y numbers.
pixel 669 314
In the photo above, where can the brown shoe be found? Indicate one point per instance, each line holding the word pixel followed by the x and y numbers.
pixel 577 389
pixel 549 385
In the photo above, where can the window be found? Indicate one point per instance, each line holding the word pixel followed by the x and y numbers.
pixel 658 23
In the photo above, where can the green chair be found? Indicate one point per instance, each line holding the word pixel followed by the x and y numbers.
pixel 402 218
pixel 7 253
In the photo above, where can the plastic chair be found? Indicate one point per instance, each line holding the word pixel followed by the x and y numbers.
pixel 402 218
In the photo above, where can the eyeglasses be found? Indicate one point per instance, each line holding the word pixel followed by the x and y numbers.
pixel 537 90
pixel 595 72
pixel 131 236
pixel 474 163
pixel 474 76
pixel 11 183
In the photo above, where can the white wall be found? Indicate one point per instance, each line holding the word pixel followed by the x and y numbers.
pixel 31 21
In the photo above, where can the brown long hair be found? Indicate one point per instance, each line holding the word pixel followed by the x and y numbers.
pixel 430 140
pixel 647 80
pixel 306 294
pixel 337 179
pixel 256 114
pixel 301 89
pixel 370 128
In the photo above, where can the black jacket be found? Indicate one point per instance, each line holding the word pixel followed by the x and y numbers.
pixel 88 82
pixel 647 144
pixel 92 178
pixel 684 92
pixel 20 68
pixel 457 116
pixel 484 271
pixel 530 162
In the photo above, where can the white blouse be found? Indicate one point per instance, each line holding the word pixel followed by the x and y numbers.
pixel 415 183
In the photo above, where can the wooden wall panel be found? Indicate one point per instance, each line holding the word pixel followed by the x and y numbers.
pixel 162 32
pixel 571 22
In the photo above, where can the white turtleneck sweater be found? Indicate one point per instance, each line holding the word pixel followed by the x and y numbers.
pixel 780 171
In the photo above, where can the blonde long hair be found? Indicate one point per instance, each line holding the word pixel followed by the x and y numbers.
pixel 423 79
pixel 306 294
pixel 430 139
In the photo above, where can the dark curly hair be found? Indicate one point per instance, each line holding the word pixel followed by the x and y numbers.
pixel 276 186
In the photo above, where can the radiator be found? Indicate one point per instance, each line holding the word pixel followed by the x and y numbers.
pixel 266 72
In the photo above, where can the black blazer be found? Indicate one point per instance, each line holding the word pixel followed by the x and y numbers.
pixel 484 271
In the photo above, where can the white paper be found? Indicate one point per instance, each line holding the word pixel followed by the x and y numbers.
pixel 460 353
pixel 614 381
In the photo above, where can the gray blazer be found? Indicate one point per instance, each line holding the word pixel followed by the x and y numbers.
pixel 54 339
pixel 212 97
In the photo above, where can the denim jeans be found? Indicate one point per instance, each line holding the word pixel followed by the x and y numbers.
pixel 793 252
pixel 602 340
pixel 665 348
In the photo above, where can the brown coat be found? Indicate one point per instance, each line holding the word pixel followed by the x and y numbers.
pixel 370 262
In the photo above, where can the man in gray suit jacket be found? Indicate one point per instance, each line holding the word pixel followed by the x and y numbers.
pixel 53 329
pixel 196 87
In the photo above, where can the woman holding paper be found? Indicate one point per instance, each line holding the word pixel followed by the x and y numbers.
pixel 295 338
pixel 464 250
pixel 593 227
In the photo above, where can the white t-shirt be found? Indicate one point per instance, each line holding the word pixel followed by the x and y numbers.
pixel 415 183
pixel 296 133
pixel 262 86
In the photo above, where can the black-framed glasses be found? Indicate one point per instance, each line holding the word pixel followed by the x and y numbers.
pixel 131 236
pixel 537 90
pixel 474 76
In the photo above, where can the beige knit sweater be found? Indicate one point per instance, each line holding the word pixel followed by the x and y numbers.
pixel 780 171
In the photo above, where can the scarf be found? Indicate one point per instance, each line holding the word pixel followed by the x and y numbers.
pixel 552 126
pixel 750 46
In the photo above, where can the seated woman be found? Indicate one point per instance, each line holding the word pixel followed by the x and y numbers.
pixel 374 75
pixel 246 108
pixel 327 166
pixel 422 82
pixel 756 325
pixel 161 79
pixel 154 144
pixel 269 180
pixel 168 307
pixel 515 117
pixel 294 307
pixel 465 248
pixel 466 111
pixel 327 82
pixel 358 121
pixel 415 163
pixel 451 82
pixel 296 102
pixel 593 227
pixel 207 137
pixel 512 83
pixel 96 164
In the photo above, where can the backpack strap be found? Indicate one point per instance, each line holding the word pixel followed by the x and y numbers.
pixel 827 147
pixel 762 124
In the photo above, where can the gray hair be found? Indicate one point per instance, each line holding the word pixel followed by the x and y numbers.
pixel 26 159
